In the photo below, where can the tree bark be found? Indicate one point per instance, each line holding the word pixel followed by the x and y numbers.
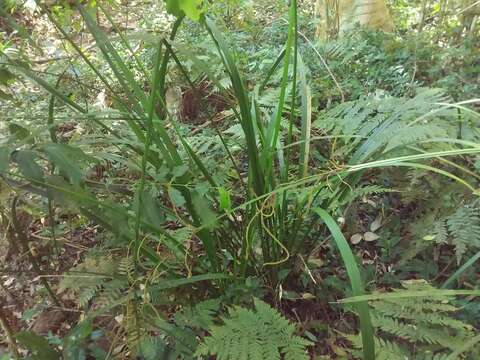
pixel 346 14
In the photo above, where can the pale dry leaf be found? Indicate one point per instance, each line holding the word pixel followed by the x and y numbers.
pixel 308 296
pixel 370 236
pixel 315 262
pixel 9 281
pixel 356 238
pixel 376 224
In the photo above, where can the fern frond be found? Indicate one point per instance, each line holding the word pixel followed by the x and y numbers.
pixel 377 125
pixel 254 335
pixel 416 327
pixel 464 227
pixel 389 351
pixel 126 267
pixel 87 294
pixel 201 316
pixel 384 349
pixel 440 232
pixel 112 291
pixel 363 191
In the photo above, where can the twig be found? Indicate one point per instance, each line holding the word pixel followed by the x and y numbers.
pixel 324 62
pixel 12 344
pixel 469 7
pixel 206 124
pixel 24 241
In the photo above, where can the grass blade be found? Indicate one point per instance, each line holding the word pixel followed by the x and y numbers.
pixel 465 347
pixel 409 294
pixel 274 128
pixel 243 100
pixel 423 156
pixel 122 73
pixel 124 40
pixel 173 283
pixel 272 70
pixel 355 281
pixel 306 121
pixel 461 270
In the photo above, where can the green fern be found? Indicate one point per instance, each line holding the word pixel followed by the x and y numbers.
pixel 384 349
pixel 460 228
pixel 200 316
pixel 360 192
pixel 417 327
pixel 88 278
pixel 375 125
pixel 87 294
pixel 440 232
pixel 254 335
pixel 464 229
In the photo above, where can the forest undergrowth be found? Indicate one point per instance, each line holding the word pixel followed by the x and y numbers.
pixel 213 180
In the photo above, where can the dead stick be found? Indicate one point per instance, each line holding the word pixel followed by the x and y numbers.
pixel 12 344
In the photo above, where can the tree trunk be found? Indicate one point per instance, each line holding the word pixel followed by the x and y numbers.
pixel 342 15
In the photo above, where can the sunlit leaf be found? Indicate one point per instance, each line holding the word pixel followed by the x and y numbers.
pixel 224 199
pixel 190 8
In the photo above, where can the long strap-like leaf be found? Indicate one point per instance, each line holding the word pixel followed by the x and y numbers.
pixel 356 282
pixel 461 270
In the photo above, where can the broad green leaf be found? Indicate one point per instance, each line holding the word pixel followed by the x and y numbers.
pixel 62 192
pixel 179 171
pixel 152 350
pixel 176 197
pixel 353 273
pixel 38 346
pixel 151 210
pixel 202 208
pixel 173 7
pixel 224 199
pixel 29 168
pixel 72 345
pixel 68 159
pixel 190 8
pixel 18 132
